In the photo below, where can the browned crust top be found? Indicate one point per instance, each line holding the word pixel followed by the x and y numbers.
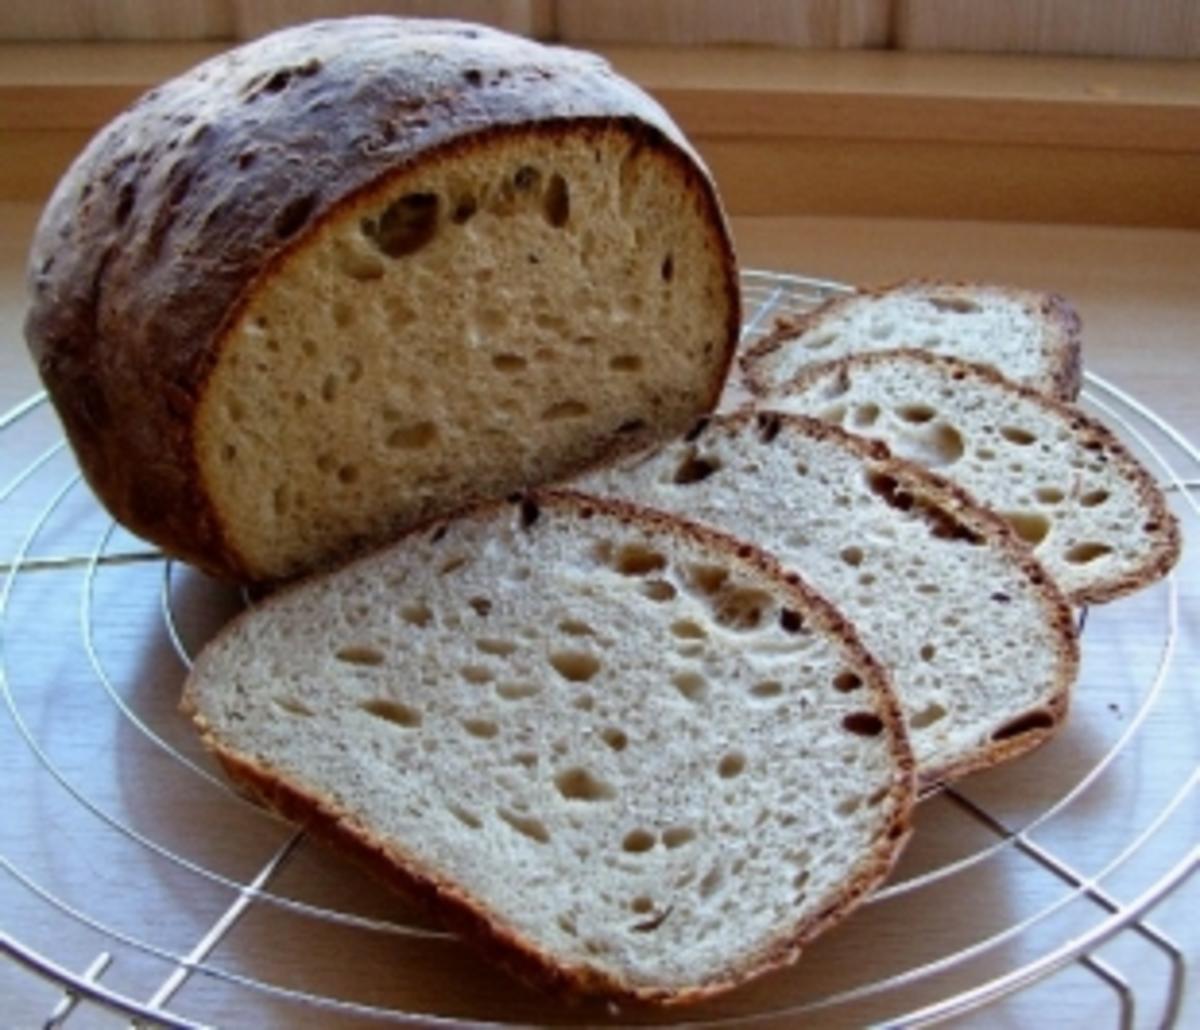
pixel 459 911
pixel 993 530
pixel 169 218
pixel 1061 351
pixel 1160 524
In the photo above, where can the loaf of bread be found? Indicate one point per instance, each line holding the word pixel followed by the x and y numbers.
pixel 1030 336
pixel 980 645
pixel 356 273
pixel 627 755
pixel 1093 515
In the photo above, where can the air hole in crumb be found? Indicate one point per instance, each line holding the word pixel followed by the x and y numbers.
pixel 517 691
pixel 329 388
pixel 576 628
pixel 564 410
pixel 1039 720
pixel 927 716
pixel 509 363
pixel 767 689
pixel 575 666
pixel 638 841
pixel 293 706
pixel 848 806
pixel 477 674
pixel 927 652
pixel 641 905
pixel 614 738
pixel 694 469
pixel 556 201
pixel 864 415
pixel 360 654
pixel 501 648
pixel 667 269
pixel 481 606
pixel 1030 526
pixel 731 765
pixel 626 363
pixel 525 825
pixel 659 590
pixel 485 729
pixel 691 685
pixel 348 475
pixel 466 817
pixel 293 215
pixel 708 579
pixel 1086 552
pixel 863 724
pixel 1049 494
pixel 228 452
pixel 412 438
pixel 955 305
pixel 393 711
pixel 852 556
pixel 639 560
pixel 790 621
pixel 820 342
pixel 846 681
pixel 688 630
pixel 417 614
pixel 918 414
pixel 452 565
pixel 1094 498
pixel 343 314
pixel 678 836
pixel 742 608
pixel 712 882
pixel 1015 434
pixel 406 225
pixel 578 784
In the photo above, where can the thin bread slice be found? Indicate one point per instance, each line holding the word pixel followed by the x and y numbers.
pixel 1092 513
pixel 548 720
pixel 1028 335
pixel 981 646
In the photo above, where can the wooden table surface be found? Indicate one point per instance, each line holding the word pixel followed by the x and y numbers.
pixel 90 673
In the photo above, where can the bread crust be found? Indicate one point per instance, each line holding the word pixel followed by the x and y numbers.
pixel 1063 362
pixel 161 230
pixel 1161 525
pixel 466 916
pixel 1039 724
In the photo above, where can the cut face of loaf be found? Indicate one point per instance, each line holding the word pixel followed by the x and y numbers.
pixel 351 275
pixel 1094 517
pixel 1029 336
pixel 499 316
pixel 627 755
pixel 980 646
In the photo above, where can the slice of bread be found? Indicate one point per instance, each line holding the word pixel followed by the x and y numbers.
pixel 627 755
pixel 1030 336
pixel 981 646
pixel 352 275
pixel 1093 515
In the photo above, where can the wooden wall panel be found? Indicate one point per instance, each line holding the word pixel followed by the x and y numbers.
pixel 1132 28
pixel 806 23
pixel 527 17
pixel 115 19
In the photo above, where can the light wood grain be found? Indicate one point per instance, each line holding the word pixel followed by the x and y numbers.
pixel 116 19
pixel 1126 28
pixel 527 17
pixel 797 23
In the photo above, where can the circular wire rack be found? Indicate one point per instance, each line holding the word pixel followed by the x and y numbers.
pixel 135 884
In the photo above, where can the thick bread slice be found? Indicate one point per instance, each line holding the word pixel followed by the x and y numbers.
pixel 347 277
pixel 627 755
pixel 981 646
pixel 1093 515
pixel 1029 336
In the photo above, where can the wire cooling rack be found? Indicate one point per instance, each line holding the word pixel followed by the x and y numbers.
pixel 135 886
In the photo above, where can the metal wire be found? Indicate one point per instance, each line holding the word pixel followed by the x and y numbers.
pixel 766 294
